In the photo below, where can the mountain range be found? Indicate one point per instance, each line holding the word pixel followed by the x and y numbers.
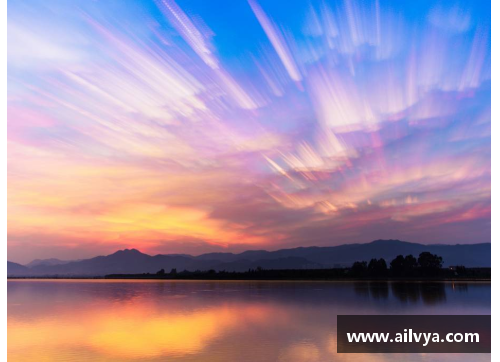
pixel 132 261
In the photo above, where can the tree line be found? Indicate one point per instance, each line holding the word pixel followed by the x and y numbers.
pixel 427 264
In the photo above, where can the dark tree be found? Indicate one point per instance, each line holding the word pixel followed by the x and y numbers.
pixel 161 272
pixel 410 263
pixel 377 268
pixel 382 265
pixel 430 261
pixel 404 266
pixel 398 265
pixel 359 268
pixel 173 271
pixel 429 264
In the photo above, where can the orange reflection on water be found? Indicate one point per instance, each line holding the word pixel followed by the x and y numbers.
pixel 140 330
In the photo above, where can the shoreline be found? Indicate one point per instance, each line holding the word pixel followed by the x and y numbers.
pixel 380 280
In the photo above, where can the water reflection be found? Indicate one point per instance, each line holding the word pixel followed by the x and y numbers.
pixel 211 321
pixel 375 290
pixel 429 293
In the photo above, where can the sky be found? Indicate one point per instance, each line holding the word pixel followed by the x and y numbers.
pixel 199 126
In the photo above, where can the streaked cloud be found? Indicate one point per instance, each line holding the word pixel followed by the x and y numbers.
pixel 169 126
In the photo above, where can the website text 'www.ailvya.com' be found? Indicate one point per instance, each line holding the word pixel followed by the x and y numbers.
pixel 409 336
pixel 413 334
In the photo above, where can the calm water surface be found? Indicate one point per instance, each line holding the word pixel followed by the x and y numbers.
pixel 81 320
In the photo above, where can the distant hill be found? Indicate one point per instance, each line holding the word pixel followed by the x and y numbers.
pixel 16 269
pixel 51 261
pixel 132 261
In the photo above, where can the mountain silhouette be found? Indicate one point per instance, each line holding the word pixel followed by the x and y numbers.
pixel 51 261
pixel 16 269
pixel 132 261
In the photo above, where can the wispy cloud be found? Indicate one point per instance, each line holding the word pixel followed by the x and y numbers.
pixel 169 126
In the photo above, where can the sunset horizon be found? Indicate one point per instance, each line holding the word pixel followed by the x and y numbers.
pixel 199 252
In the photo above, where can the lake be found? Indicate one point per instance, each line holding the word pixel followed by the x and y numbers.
pixel 103 320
